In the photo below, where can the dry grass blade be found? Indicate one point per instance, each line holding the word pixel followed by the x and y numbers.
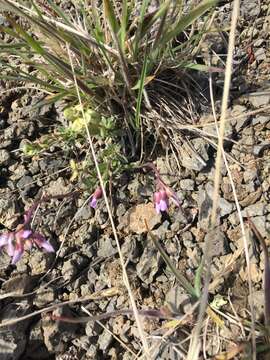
pixel 182 280
pixel 266 272
pixel 125 276
pixel 194 348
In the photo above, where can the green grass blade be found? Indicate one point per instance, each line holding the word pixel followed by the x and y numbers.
pixel 124 23
pixel 188 19
pixel 182 280
pixel 140 93
pixel 138 36
pixel 198 280
pixel 110 15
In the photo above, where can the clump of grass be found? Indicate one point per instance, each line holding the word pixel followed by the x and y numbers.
pixel 130 62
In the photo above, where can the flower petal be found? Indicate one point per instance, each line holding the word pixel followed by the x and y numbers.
pixel 23 234
pixel 10 246
pixel 163 205
pixel 47 247
pixel 41 242
pixel 18 252
pixel 98 193
pixel 157 207
pixel 93 202
pixel 4 239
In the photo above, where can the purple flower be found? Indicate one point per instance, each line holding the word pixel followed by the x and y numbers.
pixel 161 198
pixel 161 201
pixel 95 197
pixel 41 242
pixel 16 241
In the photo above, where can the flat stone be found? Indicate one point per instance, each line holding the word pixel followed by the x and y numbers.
pixel 20 284
pixel 105 247
pixel 104 340
pixel 149 263
pixel 4 157
pixel 187 184
pixel 261 119
pixel 260 99
pixel 195 159
pixel 260 54
pixel 219 242
pixel 241 122
pixel 135 218
pixel 257 209
pixel 177 299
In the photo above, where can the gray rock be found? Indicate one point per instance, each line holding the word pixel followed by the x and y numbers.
pixel 250 9
pixel 105 247
pixel 17 170
pixel 239 123
pixel 197 158
pixel 149 263
pixel 225 207
pixel 13 338
pixel 257 209
pixel 260 223
pixel 39 261
pixel 218 241
pixel 187 184
pixel 258 149
pixel 258 301
pixel 178 300
pixel 93 329
pixel 20 284
pixel 261 119
pixel 92 352
pixel 250 175
pixel 82 342
pixel 72 266
pixel 104 340
pixel 36 348
pixel 166 170
pixel 187 239
pixel 25 184
pixel 130 249
pixel 59 186
pixel 234 218
pixel 12 345
pixel 57 333
pixel 260 54
pixel 205 205
pixel 4 157
pixel 44 296
pixel 259 99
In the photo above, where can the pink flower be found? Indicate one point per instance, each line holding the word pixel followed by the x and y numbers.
pixel 95 197
pixel 15 242
pixel 161 201
pixel 161 198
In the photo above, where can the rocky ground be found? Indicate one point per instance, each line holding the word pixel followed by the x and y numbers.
pixel 88 262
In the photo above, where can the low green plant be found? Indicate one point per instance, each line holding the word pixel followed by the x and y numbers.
pixel 119 54
pixel 119 57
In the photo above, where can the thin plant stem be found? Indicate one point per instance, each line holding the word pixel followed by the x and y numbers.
pixel 125 276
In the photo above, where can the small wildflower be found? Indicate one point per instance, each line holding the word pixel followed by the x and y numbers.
pixel 161 201
pixel 95 197
pixel 15 242
pixel 163 193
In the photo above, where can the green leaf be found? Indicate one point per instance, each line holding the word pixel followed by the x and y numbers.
pixel 188 19
pixel 204 68
pixel 182 280
pixel 110 15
